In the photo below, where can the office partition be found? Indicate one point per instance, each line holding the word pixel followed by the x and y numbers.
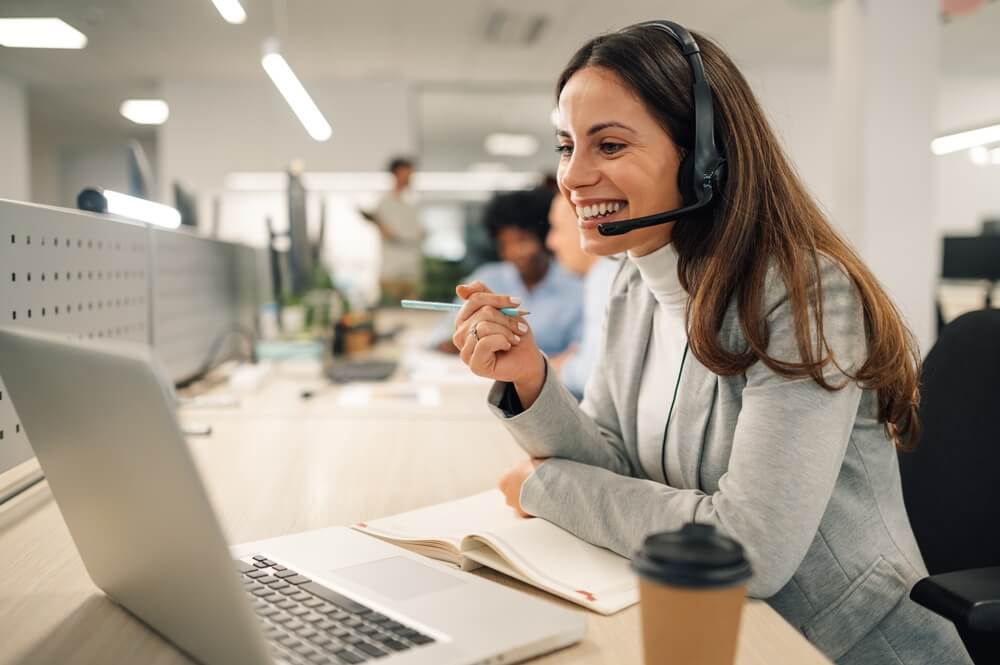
pixel 95 277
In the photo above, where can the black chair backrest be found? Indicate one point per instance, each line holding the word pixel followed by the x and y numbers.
pixel 951 483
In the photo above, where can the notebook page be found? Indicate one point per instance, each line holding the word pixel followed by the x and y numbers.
pixel 447 523
pixel 544 555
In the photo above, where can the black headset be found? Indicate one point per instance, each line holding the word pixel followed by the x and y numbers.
pixel 702 171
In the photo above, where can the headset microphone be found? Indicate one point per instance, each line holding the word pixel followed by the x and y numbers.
pixel 702 171
pixel 624 226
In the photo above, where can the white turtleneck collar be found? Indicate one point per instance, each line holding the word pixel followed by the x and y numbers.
pixel 658 270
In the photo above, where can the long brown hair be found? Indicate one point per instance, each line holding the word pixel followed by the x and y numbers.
pixel 765 218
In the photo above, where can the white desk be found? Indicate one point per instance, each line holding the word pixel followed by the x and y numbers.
pixel 292 466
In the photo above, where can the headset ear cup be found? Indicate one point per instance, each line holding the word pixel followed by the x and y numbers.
pixel 685 178
pixel 719 178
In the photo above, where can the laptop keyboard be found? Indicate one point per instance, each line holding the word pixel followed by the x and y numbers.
pixel 309 624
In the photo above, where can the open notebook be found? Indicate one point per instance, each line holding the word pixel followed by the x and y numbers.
pixel 481 530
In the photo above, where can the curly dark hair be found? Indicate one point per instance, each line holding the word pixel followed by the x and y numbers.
pixel 527 209
pixel 397 163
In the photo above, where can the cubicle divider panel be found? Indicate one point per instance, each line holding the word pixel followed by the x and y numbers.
pixel 256 287
pixel 200 301
pixel 73 273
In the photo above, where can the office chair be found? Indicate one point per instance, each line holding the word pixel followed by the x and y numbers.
pixel 950 482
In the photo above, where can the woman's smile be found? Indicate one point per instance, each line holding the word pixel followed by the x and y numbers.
pixel 589 216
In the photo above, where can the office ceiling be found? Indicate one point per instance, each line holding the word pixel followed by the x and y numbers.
pixel 465 84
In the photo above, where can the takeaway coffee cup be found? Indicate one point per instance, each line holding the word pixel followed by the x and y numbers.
pixel 692 584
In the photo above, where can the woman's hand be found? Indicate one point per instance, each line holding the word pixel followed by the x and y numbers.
pixel 497 346
pixel 511 482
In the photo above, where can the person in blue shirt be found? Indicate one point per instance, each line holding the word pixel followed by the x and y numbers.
pixel 518 223
pixel 575 363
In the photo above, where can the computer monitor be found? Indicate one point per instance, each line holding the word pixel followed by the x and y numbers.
pixel 971 257
pixel 300 257
pixel 317 247
pixel 186 205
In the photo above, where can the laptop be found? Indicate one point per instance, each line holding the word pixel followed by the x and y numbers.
pixel 100 420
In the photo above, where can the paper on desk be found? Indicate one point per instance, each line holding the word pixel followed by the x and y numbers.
pixel 440 368
pixel 360 395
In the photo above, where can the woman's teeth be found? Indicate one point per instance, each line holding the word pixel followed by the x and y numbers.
pixel 599 209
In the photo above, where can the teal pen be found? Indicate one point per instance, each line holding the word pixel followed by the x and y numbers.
pixel 453 307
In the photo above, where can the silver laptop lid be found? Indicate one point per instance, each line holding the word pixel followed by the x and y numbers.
pixel 100 421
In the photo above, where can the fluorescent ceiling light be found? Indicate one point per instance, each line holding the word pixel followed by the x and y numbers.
pixel 40 33
pixel 294 93
pixel 511 145
pixel 231 10
pixel 964 140
pixel 142 210
pixel 145 111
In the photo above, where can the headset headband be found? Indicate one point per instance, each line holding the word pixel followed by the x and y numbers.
pixel 706 155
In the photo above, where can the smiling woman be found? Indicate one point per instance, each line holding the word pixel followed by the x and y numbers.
pixel 629 163
pixel 754 375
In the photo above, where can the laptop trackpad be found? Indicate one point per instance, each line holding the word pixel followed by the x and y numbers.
pixel 399 578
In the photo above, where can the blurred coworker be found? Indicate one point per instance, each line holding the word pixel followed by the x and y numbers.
pixel 518 223
pixel 402 236
pixel 574 364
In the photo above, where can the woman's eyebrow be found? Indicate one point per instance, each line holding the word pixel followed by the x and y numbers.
pixel 562 133
pixel 605 125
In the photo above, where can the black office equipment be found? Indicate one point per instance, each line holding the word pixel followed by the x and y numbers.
pixel 348 371
pixel 972 257
pixel 140 174
pixel 950 481
pixel 92 199
pixel 186 205
pixel 342 368
pixel 300 254
pixel 275 260
pixel 316 251
pixel 293 257
pixel 306 617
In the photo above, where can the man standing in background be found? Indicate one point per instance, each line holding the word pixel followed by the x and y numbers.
pixel 396 217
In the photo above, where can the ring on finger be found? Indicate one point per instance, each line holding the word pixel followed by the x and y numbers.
pixel 472 331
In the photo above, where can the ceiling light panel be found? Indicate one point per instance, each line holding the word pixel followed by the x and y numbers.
pixel 294 92
pixel 40 33
pixel 145 111
pixel 965 140
pixel 231 10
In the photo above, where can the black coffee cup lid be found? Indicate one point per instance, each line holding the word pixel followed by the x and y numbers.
pixel 697 556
